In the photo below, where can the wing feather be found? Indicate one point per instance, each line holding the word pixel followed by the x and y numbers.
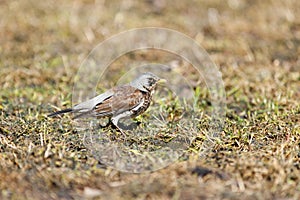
pixel 90 104
pixel 125 98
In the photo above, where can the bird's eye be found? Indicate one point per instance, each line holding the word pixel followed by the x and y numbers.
pixel 151 81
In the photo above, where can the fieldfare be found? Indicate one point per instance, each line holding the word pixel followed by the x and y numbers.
pixel 125 101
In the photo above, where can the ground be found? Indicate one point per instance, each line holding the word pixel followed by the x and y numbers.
pixel 256 46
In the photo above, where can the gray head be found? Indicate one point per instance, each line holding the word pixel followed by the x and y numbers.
pixel 145 82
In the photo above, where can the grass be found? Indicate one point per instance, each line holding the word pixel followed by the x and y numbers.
pixel 256 46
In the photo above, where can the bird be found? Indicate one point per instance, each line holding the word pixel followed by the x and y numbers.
pixel 124 101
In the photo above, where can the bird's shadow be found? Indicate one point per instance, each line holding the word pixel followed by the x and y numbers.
pixel 124 126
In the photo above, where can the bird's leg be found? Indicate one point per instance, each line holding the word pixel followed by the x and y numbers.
pixel 115 120
pixel 115 123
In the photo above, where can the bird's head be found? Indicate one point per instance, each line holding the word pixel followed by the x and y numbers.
pixel 146 82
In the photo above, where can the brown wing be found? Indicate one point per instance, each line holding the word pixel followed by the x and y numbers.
pixel 125 98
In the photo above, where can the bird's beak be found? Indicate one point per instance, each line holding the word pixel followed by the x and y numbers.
pixel 161 81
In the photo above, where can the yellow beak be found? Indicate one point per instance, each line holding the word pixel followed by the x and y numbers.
pixel 160 81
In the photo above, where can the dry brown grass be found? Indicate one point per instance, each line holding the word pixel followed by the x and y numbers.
pixel 257 46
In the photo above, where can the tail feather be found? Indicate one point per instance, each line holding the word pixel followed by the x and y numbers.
pixel 60 112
